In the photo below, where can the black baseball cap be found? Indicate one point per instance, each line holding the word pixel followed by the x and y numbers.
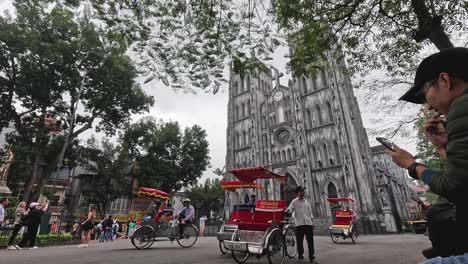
pixel 300 188
pixel 453 61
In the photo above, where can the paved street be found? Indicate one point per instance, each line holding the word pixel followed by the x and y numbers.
pixel 370 249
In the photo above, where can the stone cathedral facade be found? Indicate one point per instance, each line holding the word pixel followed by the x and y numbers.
pixel 310 130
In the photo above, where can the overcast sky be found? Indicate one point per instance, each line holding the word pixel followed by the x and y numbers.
pixel 210 111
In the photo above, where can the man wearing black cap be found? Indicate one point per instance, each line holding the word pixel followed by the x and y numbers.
pixel 441 82
pixel 302 214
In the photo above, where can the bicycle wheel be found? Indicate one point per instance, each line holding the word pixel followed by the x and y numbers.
pixel 276 247
pixel 334 238
pixel 221 247
pixel 354 235
pixel 239 257
pixel 290 238
pixel 189 236
pixel 143 237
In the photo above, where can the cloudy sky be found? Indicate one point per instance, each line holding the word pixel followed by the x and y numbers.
pixel 210 111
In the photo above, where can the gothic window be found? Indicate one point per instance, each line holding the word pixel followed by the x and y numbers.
pixel 289 154
pixel 273 157
pixel 314 83
pixel 329 112
pixel 283 156
pixel 237 112
pixel 315 156
pixel 323 76
pixel 337 151
pixel 265 140
pixel 242 86
pixel 237 142
pixel 309 118
pixel 243 110
pixel 248 108
pixel 304 85
pixel 325 153
pixel 265 157
pixel 294 153
pixel 248 83
pixel 244 139
pixel 319 115
pixel 274 120
pixel 236 87
pixel 278 155
pixel 248 139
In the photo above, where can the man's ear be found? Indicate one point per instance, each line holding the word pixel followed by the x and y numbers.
pixel 447 82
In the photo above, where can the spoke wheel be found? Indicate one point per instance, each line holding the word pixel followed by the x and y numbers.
pixel 276 247
pixel 189 236
pixel 143 237
pixel 239 257
pixel 221 247
pixel 334 238
pixel 291 242
pixel 354 235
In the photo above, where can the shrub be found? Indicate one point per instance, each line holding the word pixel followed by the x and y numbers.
pixel 42 240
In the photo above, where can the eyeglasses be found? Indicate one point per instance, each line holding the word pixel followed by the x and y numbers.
pixel 422 93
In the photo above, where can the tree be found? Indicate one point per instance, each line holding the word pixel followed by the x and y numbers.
pixel 50 63
pixel 372 33
pixel 187 44
pixel 207 197
pixel 108 181
pixel 167 158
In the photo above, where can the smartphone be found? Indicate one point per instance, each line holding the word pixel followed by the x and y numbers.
pixel 387 143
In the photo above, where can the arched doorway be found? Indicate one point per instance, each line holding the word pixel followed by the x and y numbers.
pixel 333 193
pixel 288 189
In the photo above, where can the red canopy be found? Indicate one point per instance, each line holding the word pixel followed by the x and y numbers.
pixel 153 193
pixel 337 200
pixel 233 185
pixel 251 174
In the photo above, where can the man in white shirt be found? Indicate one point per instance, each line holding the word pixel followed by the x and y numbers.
pixel 3 205
pixel 302 214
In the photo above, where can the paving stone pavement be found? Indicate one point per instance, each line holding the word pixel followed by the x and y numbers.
pixel 375 249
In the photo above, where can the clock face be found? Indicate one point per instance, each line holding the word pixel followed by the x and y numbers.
pixel 278 96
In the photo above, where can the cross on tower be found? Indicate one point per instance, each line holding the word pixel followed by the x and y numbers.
pixel 276 77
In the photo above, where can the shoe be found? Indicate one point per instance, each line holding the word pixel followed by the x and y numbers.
pixel 429 253
pixel 33 247
pixel 17 247
pixel 11 248
pixel 81 245
pixel 300 257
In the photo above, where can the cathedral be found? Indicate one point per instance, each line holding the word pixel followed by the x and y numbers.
pixel 311 131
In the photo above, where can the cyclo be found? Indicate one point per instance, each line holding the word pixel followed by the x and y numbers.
pixel 239 213
pixel 345 223
pixel 159 224
pixel 269 231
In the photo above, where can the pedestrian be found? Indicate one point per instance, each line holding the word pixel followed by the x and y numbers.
pixel 99 230
pixel 441 82
pixel 87 226
pixel 33 222
pixel 106 234
pixel 3 204
pixel 53 228
pixel 131 228
pixel 20 221
pixel 302 213
pixel 202 225
pixel 75 228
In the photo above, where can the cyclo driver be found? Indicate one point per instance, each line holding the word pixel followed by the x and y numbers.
pixel 186 215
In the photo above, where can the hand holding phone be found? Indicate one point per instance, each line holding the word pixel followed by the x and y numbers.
pixel 387 143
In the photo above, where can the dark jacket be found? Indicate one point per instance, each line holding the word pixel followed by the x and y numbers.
pixel 452 182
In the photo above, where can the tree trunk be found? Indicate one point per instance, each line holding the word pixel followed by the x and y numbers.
pixel 29 184
pixel 429 26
